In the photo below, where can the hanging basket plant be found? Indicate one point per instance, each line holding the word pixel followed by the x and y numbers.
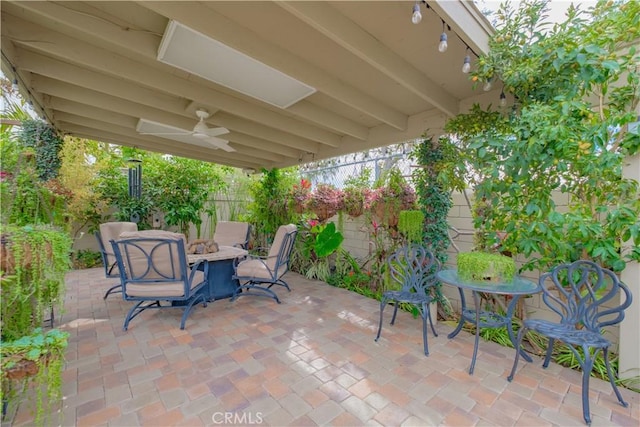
pixel 299 196
pixel 357 200
pixel 36 359
pixel 38 256
pixel 325 201
pixel 34 260
pixel 393 196
pixel 411 225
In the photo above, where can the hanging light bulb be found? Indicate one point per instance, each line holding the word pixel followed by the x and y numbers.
pixel 503 99
pixel 466 65
pixel 443 45
pixel 416 17
pixel 487 86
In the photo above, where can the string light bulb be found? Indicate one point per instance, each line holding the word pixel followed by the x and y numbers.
pixel 416 17
pixel 466 64
pixel 443 45
pixel 487 86
pixel 14 85
pixel 503 99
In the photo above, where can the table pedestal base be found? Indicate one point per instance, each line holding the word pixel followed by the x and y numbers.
pixel 220 284
pixel 486 319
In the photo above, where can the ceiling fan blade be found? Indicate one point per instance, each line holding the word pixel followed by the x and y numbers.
pixel 220 143
pixel 216 131
pixel 165 133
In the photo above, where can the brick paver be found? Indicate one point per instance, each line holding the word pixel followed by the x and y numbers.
pixel 310 361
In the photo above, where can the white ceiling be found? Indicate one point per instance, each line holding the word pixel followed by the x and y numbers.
pixel 366 76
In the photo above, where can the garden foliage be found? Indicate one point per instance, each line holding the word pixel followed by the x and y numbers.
pixel 548 169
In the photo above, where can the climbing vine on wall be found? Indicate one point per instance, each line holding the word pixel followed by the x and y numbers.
pixel 434 198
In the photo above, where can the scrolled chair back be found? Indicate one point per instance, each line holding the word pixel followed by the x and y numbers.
pixel 153 255
pixel 584 294
pixel 413 267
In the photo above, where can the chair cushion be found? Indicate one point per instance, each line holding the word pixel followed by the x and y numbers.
pixel 166 289
pixel 151 234
pixel 276 247
pixel 231 233
pixel 254 268
pixel 111 231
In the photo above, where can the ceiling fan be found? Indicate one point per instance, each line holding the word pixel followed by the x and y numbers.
pixel 200 131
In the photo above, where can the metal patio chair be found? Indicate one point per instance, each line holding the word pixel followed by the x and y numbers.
pixel 153 267
pixel 232 233
pixel 256 275
pixel 110 231
pixel 586 298
pixel 414 268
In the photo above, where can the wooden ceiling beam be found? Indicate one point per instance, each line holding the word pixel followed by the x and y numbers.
pixel 131 138
pixel 334 25
pixel 27 34
pixel 77 114
pixel 276 152
pixel 205 20
pixel 112 138
pixel 144 44
pixel 61 79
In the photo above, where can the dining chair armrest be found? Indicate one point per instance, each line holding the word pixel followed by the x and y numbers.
pixel 195 266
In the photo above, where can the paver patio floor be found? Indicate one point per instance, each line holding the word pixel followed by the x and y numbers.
pixel 311 360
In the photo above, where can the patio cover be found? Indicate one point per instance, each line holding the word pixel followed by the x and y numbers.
pixel 305 80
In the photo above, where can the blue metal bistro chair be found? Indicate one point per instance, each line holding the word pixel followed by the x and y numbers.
pixel 256 275
pixel 153 268
pixel 414 268
pixel 586 298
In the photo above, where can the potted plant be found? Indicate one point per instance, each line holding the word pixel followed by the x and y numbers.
pixel 34 260
pixel 411 225
pixel 485 267
pixel 35 359
pixel 325 201
pixel 357 194
pixel 391 197
pixel 35 254
pixel 357 200
pixel 300 195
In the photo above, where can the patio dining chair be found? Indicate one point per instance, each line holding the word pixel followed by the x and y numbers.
pixel 586 299
pixel 110 231
pixel 256 275
pixel 232 233
pixel 153 268
pixel 413 269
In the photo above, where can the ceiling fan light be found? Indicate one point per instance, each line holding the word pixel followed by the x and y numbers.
pixel 200 135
